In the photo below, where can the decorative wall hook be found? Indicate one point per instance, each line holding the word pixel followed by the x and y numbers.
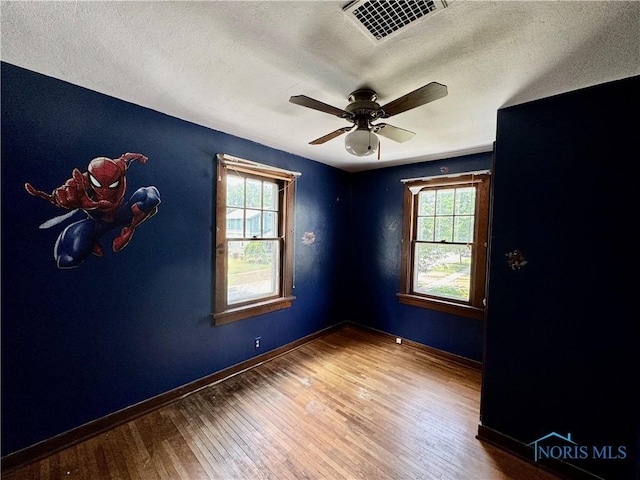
pixel 515 260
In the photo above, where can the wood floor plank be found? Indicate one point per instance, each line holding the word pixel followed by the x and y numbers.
pixel 351 405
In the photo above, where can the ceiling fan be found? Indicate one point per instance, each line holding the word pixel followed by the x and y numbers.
pixel 364 109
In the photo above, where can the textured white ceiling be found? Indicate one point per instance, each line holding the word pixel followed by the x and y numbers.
pixel 232 66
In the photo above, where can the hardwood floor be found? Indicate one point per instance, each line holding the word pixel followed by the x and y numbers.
pixel 349 405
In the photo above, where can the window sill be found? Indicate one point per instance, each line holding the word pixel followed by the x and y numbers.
pixel 441 306
pixel 246 311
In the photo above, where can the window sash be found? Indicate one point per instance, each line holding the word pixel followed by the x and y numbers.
pixel 446 273
pixel 252 285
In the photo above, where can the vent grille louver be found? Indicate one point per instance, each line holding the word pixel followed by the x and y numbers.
pixel 382 19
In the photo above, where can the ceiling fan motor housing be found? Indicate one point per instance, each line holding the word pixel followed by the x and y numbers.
pixel 362 102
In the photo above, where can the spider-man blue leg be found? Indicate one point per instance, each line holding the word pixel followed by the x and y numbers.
pixel 142 205
pixel 78 241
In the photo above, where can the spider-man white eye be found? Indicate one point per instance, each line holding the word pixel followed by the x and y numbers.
pixel 94 182
pixel 114 184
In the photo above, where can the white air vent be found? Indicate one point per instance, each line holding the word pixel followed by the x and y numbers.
pixel 382 19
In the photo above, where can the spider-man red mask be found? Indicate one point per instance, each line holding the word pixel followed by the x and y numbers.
pixel 107 178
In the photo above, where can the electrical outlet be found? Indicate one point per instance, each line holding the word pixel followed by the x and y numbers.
pixel 256 343
pixel 398 340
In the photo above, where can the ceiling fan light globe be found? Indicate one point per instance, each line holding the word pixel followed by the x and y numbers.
pixel 361 143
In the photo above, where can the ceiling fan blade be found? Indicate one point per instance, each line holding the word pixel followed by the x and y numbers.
pixel 428 93
pixel 393 133
pixel 309 102
pixel 330 136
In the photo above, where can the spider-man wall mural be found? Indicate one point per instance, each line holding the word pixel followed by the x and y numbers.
pixel 99 193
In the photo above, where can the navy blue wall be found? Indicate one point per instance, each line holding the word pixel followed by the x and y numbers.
pixel 82 343
pixel 376 239
pixel 560 352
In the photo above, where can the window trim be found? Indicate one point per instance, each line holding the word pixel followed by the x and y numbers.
pixel 223 312
pixel 475 307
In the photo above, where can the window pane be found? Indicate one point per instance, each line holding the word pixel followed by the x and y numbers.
pixel 465 201
pixel 270 196
pixel 444 201
pixel 425 228
pixel 442 270
pixel 254 193
pixel 427 203
pixel 463 231
pixel 235 222
pixel 444 229
pixel 253 223
pixel 269 224
pixel 253 270
pixel 235 191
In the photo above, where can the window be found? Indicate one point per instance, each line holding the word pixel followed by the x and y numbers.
pixel 444 247
pixel 254 230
